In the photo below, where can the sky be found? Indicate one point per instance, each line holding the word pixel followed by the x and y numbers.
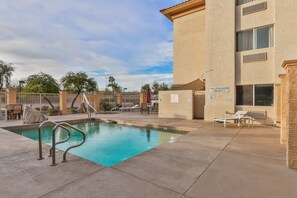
pixel 128 39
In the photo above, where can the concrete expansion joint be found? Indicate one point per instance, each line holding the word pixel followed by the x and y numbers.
pixel 74 181
pixel 219 154
pixel 145 180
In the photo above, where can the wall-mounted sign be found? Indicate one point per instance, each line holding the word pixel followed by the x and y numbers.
pixel 174 98
pixel 219 89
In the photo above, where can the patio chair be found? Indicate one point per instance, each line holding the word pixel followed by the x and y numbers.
pixel 9 110
pixel 135 108
pixel 17 111
pixel 243 117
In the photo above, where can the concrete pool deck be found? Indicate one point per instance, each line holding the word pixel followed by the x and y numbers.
pixel 210 161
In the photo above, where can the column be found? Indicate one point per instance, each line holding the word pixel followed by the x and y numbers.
pixel 142 98
pixel 63 102
pixel 283 133
pixel 278 104
pixel 120 99
pixel 97 101
pixel 11 96
pixel 291 118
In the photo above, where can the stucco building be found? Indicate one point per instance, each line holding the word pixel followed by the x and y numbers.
pixel 237 48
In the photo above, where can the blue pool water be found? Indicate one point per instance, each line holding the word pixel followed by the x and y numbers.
pixel 106 144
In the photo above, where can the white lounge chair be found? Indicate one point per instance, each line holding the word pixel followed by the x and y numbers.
pixel 237 117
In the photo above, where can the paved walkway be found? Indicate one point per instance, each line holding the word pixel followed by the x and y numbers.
pixel 210 161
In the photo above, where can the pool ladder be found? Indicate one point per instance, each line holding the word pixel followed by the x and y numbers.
pixel 62 125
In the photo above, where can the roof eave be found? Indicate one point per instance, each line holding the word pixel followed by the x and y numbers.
pixel 184 8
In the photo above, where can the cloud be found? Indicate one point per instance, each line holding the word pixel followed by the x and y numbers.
pixel 99 37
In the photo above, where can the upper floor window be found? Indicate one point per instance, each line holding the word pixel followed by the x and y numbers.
pixel 257 38
pixel 239 2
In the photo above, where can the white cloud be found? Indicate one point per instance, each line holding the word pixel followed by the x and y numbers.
pixel 111 37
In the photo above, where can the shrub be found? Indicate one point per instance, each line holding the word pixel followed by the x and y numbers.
pixel 44 108
pixel 73 110
pixel 53 112
pixel 105 106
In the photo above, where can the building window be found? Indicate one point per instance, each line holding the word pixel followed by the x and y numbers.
pixel 255 95
pixel 263 95
pixel 245 40
pixel 256 38
pixel 244 95
pixel 240 2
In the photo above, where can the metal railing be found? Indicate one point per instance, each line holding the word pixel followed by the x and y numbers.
pixel 39 101
pixel 110 99
pixel 130 99
pixel 64 126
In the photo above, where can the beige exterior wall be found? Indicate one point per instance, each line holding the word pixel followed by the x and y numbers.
pixel 220 57
pixel 285 33
pixel 261 72
pixel 176 104
pixel 189 47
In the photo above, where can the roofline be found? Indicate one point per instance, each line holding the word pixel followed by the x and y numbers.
pixel 182 9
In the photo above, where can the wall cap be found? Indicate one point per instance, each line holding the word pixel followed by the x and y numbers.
pixel 288 63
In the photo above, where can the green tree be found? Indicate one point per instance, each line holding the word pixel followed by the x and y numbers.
pixel 77 83
pixel 115 87
pixel 106 91
pixel 6 71
pixel 164 87
pixel 41 83
pixel 145 87
pixel 156 87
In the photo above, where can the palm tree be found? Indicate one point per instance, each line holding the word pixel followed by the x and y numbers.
pixel 115 87
pixel 6 71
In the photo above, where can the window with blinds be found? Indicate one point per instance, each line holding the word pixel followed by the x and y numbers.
pixel 257 38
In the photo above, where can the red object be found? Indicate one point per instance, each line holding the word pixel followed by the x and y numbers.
pixel 148 95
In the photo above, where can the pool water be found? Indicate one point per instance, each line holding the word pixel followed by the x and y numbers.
pixel 106 144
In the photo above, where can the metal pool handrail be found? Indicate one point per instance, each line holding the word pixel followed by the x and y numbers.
pixel 71 147
pixel 61 142
pixel 40 137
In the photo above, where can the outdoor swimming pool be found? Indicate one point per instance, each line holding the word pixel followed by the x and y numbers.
pixel 106 144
